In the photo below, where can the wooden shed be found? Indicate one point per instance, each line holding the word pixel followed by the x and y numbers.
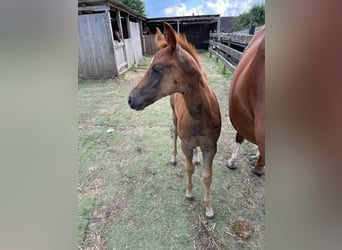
pixel 196 28
pixel 110 38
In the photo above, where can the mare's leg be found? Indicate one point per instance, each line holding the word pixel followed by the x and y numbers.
pixel 259 169
pixel 196 159
pixel 175 135
pixel 190 169
pixel 208 157
pixel 231 162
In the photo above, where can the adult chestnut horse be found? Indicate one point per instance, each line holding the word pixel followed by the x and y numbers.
pixel 175 70
pixel 247 100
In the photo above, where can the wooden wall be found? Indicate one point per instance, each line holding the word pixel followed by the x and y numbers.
pixel 95 47
pixel 150 47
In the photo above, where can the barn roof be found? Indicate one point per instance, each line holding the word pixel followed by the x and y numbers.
pixel 111 3
pixel 184 19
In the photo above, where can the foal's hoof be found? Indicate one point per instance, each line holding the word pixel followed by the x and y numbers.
pixel 231 164
pixel 210 215
pixel 173 160
pixel 258 172
pixel 189 198
pixel 197 162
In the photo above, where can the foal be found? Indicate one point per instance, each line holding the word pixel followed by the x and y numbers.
pixel 175 70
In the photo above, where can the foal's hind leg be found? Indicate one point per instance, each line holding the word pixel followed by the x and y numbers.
pixel 175 135
pixel 208 157
pixel 196 159
pixel 231 162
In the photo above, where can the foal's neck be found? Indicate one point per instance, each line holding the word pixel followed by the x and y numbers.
pixel 197 98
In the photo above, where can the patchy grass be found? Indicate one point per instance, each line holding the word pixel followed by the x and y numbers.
pixel 219 65
pixel 85 210
pixel 131 198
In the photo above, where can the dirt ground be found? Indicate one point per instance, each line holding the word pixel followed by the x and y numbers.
pixel 130 197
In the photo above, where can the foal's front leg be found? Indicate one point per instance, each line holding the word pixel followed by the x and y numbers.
pixel 190 169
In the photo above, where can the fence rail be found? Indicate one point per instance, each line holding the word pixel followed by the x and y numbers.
pixel 220 44
pixel 233 37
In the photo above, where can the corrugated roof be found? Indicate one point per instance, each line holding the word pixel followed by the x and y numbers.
pixel 111 3
pixel 213 18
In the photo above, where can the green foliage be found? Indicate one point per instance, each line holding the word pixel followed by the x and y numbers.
pixel 137 5
pixel 255 16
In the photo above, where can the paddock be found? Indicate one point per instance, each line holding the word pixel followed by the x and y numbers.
pixel 128 194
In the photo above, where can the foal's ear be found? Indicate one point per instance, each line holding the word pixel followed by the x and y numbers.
pixel 160 39
pixel 170 35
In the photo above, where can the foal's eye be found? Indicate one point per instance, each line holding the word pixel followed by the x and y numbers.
pixel 156 70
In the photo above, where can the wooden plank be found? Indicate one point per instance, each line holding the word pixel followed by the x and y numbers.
pixel 226 63
pixel 230 51
pixel 94 8
pixel 136 42
pixel 122 65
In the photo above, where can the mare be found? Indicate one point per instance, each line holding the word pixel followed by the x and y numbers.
pixel 175 70
pixel 247 100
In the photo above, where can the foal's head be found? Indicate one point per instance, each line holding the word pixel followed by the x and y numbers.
pixel 170 69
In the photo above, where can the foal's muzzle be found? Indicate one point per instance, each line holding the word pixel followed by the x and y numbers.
pixel 135 104
pixel 138 100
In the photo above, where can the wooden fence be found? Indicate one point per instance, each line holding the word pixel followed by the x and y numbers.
pixel 224 47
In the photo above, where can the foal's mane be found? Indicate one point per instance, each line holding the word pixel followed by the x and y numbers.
pixel 183 42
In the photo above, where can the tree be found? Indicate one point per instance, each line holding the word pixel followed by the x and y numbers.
pixel 255 16
pixel 137 5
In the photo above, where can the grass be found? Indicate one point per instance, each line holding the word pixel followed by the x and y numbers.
pixel 85 210
pixel 219 65
pixel 131 198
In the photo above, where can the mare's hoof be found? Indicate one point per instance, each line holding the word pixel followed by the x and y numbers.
pixel 231 164
pixel 258 172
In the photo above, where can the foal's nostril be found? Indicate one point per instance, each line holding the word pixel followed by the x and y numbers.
pixel 129 100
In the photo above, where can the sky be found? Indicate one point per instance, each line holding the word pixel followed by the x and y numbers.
pixel 169 8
